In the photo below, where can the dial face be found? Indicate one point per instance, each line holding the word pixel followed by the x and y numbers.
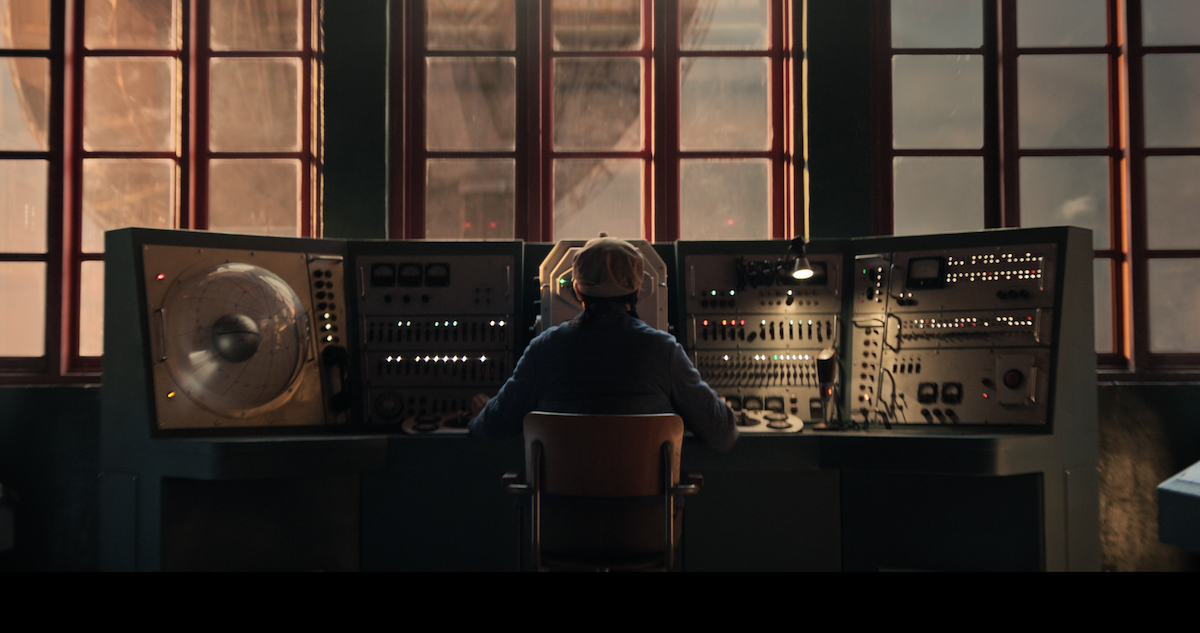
pixel 236 338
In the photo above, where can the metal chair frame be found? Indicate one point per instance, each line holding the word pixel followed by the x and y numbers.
pixel 668 487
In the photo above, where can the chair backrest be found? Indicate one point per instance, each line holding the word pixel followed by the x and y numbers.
pixel 602 455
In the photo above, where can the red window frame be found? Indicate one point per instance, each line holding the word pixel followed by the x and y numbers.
pixel 534 154
pixel 1001 154
pixel 64 257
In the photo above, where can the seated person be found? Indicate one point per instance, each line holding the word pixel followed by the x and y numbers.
pixel 606 361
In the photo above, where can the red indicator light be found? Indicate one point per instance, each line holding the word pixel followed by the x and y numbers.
pixel 161 277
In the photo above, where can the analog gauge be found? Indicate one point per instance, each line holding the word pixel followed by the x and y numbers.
pixel 236 338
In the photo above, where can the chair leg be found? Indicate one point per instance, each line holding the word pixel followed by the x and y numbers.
pixel 668 508
pixel 535 512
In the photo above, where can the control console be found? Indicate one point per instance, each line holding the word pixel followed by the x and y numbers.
pixel 438 323
pixel 957 336
pixel 755 334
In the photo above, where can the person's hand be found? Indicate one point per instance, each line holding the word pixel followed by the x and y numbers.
pixel 478 403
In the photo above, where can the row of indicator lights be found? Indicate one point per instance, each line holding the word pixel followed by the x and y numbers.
pixel 445 324
pixel 773 357
pixel 437 359
pixel 969 322
pixel 1007 258
pixel 1007 275
pixel 741 322
pixel 714 293
pixel 329 328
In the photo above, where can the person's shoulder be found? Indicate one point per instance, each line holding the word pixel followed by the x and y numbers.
pixel 551 334
pixel 652 334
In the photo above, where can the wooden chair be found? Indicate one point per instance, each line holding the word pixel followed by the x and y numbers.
pixel 602 490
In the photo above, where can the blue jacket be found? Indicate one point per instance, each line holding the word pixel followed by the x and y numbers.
pixel 615 365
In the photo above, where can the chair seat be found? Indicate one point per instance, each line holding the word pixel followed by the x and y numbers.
pixel 603 490
pixel 605 531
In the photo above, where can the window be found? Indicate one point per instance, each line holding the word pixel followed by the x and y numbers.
pixel 563 118
pixel 1030 113
pixel 156 113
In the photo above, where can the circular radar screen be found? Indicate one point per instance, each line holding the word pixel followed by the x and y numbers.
pixel 236 338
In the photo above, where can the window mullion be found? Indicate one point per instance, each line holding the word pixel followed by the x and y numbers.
pixel 194 206
pixel 666 116
pixel 68 299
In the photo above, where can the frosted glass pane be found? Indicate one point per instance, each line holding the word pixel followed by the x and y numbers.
pixel 24 284
pixel 256 197
pixel 1172 85
pixel 598 104
pixel 937 101
pixel 937 195
pixel 470 199
pixel 1061 23
pixel 1063 100
pixel 24 103
pixel 1172 200
pixel 471 103
pixel 937 23
pixel 489 25
pixel 1174 304
pixel 144 24
pixel 91 309
pixel 26 24
pixel 724 104
pixel 1170 22
pixel 118 193
pixel 23 190
pixel 725 199
pixel 588 25
pixel 129 103
pixel 1067 191
pixel 255 105
pixel 591 196
pixel 260 25
pixel 723 25
pixel 1102 275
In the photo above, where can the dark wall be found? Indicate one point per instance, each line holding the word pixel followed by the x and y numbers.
pixel 49 458
pixel 839 118
pixel 49 436
pixel 355 140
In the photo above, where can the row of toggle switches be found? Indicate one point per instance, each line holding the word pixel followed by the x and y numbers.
pixel 763 372
pixel 742 330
